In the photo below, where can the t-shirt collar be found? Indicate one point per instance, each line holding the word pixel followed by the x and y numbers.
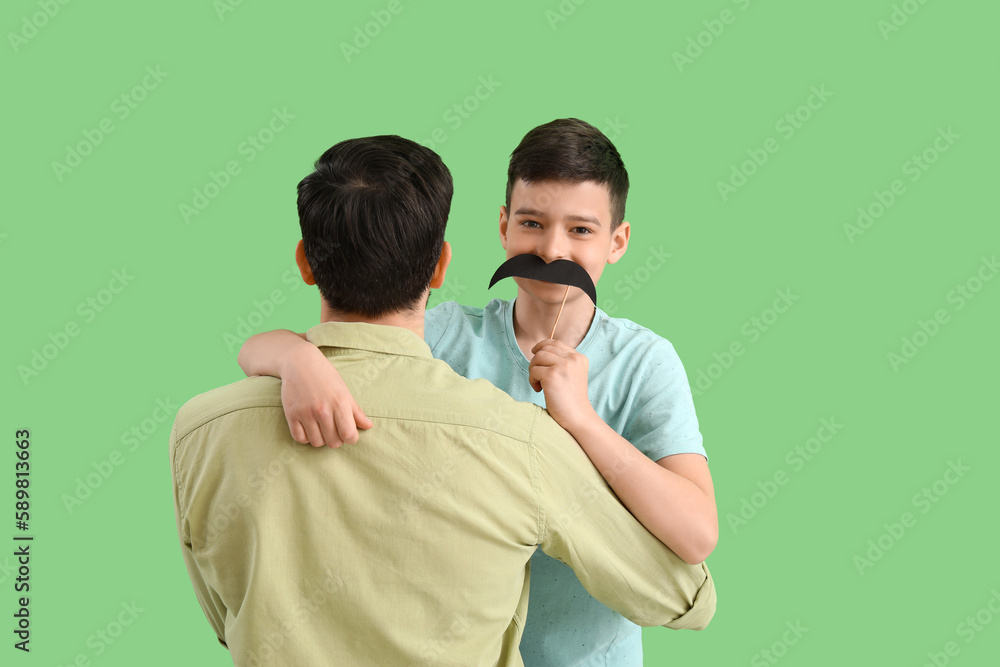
pixel 508 322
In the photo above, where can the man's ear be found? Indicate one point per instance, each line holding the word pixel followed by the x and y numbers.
pixel 304 268
pixel 503 226
pixel 442 265
pixel 619 242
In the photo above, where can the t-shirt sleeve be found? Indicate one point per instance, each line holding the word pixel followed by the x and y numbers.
pixel 617 560
pixel 661 419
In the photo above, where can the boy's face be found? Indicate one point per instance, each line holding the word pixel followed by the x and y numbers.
pixel 561 220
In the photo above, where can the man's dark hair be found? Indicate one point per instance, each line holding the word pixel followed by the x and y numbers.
pixel 571 150
pixel 373 217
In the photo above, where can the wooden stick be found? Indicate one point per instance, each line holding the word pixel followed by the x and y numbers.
pixel 565 294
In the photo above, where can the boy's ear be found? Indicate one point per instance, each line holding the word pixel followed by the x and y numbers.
pixel 442 265
pixel 304 268
pixel 619 242
pixel 503 226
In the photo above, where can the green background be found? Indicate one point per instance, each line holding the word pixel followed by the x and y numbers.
pixel 681 128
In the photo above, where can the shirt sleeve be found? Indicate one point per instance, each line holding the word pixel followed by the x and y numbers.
pixel 660 419
pixel 616 559
pixel 211 603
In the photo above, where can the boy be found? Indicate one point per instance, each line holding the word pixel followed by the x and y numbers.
pixel 618 388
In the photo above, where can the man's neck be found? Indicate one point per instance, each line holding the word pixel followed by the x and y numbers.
pixel 410 320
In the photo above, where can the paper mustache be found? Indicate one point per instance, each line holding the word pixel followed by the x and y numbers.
pixel 560 271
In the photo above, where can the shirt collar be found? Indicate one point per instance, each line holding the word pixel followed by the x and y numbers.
pixel 380 338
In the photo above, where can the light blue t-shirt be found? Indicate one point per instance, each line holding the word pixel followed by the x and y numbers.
pixel 638 386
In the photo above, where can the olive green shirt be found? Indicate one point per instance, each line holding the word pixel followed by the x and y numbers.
pixel 410 547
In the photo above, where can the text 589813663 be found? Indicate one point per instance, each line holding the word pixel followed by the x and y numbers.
pixel 22 514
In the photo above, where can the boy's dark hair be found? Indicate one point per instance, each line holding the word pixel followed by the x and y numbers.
pixel 572 150
pixel 373 217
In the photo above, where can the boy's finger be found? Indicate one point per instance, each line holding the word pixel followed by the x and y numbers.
pixel 542 343
pixel 556 346
pixel 535 378
pixel 313 434
pixel 361 419
pixel 298 433
pixel 336 428
pixel 543 358
pixel 346 431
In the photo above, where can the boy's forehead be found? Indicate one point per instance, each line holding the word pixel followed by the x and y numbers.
pixel 556 197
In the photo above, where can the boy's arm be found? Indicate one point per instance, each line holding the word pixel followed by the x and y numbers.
pixel 616 559
pixel 674 497
pixel 318 406
pixel 263 353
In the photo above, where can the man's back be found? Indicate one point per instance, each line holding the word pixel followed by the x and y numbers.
pixel 410 546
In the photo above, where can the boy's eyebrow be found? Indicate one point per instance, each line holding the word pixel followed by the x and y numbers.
pixel 574 218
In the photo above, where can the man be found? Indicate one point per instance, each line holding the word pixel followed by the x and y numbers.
pixel 410 546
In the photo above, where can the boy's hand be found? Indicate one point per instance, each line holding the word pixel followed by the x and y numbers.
pixel 318 406
pixel 561 372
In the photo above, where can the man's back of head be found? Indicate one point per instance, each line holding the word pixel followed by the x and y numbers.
pixel 373 217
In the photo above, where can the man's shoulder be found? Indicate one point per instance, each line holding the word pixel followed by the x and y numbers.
pixel 246 394
pixel 447 397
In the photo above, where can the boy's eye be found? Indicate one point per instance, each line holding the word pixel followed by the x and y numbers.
pixel 529 223
pixel 584 230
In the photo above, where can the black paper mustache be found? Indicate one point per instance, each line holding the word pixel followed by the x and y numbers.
pixel 560 271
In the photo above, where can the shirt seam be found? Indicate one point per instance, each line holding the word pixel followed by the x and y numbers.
pixel 427 420
pixel 179 482
pixel 508 335
pixel 230 411
pixel 689 445
pixel 542 528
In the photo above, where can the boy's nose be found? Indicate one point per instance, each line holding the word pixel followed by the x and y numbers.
pixel 550 257
pixel 551 250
